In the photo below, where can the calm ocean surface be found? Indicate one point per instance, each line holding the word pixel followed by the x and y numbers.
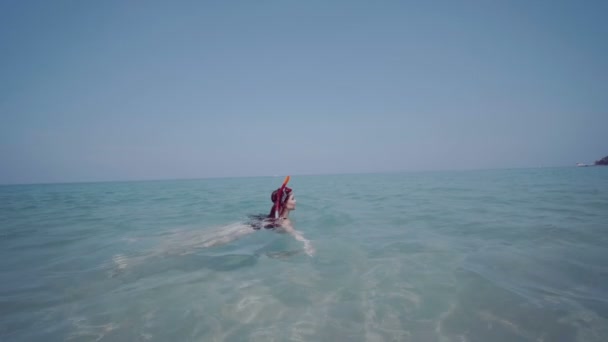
pixel 497 255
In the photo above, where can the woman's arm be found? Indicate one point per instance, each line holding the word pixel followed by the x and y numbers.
pixel 228 235
pixel 308 248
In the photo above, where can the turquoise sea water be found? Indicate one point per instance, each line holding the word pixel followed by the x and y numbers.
pixel 497 255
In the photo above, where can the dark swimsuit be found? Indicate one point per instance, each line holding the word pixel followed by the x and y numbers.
pixel 258 222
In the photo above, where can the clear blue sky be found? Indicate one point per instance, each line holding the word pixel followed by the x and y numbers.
pixel 126 90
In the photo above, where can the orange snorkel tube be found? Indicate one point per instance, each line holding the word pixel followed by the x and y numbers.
pixel 277 203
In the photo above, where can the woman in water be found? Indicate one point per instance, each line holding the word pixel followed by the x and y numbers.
pixel 284 202
pixel 278 220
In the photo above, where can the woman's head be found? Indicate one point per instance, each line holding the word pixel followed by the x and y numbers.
pixel 286 201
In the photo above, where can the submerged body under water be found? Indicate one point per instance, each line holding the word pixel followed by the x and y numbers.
pixel 500 255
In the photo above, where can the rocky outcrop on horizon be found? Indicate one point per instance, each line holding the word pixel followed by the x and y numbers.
pixel 603 161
